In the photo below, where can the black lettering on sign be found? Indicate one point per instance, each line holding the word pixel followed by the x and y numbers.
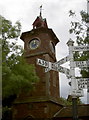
pixel 39 62
pixel 42 63
pixel 46 64
pixel 53 66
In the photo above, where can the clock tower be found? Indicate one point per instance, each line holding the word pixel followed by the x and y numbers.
pixel 43 101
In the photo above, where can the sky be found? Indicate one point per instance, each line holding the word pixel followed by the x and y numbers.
pixel 56 13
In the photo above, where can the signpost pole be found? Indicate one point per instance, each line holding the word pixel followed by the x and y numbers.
pixel 74 108
pixel 70 44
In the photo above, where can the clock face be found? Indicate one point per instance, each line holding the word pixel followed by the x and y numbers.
pixel 34 43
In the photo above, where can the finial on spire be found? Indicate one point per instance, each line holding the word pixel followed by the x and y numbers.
pixel 40 22
pixel 41 11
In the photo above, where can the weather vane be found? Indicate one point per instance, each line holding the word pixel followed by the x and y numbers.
pixel 41 10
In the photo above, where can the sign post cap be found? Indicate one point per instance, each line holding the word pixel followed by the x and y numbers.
pixel 70 42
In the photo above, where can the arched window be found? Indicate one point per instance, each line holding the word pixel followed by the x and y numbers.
pixel 52 46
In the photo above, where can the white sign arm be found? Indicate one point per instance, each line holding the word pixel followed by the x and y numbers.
pixel 63 60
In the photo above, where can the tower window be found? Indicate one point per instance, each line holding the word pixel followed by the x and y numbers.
pixel 52 46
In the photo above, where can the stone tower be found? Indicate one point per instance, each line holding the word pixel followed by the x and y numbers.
pixel 42 102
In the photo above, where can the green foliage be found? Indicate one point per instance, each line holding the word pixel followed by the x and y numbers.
pixel 8 30
pixel 20 77
pixel 69 101
pixel 7 113
pixel 81 31
pixel 65 102
pixel 17 75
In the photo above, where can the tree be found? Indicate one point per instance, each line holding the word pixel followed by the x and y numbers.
pixel 17 74
pixel 80 29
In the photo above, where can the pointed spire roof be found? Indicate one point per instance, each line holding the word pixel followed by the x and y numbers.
pixel 40 22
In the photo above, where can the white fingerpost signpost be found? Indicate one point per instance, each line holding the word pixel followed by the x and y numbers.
pixel 74 89
pixel 77 84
